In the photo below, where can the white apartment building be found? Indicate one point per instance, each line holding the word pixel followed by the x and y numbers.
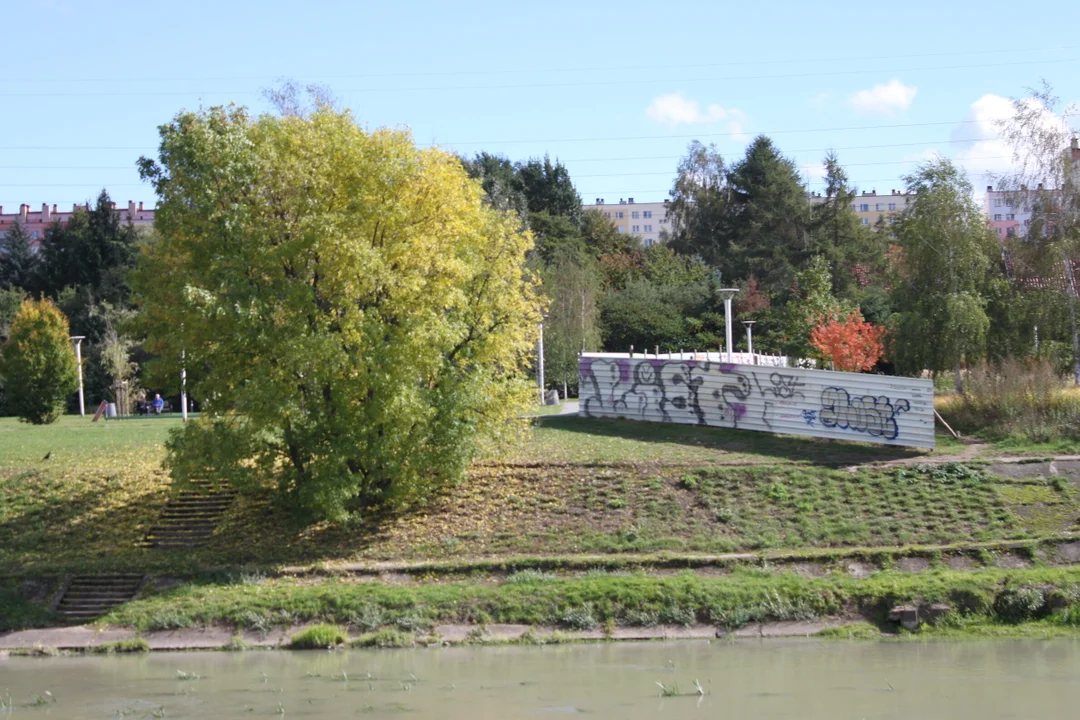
pixel 874 210
pixel 645 220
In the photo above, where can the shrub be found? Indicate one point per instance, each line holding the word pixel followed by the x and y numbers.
pixel 1018 604
pixel 38 364
pixel 1021 398
pixel 318 637
pixel 580 618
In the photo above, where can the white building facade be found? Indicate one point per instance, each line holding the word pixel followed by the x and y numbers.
pixel 644 220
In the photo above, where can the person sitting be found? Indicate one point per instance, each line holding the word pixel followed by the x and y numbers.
pixel 158 404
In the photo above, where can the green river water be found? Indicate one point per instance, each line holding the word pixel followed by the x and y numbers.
pixel 760 680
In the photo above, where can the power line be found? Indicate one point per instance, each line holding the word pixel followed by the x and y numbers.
pixel 533 86
pixel 442 73
pixel 790 131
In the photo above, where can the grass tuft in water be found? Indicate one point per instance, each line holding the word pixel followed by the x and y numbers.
pixel 319 637
pixel 134 645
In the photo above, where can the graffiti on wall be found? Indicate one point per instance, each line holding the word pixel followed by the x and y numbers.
pixel 788 400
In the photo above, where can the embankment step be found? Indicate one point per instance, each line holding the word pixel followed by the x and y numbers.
pixel 190 517
pixel 90 596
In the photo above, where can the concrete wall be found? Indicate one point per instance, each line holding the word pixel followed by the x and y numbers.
pixel 817 403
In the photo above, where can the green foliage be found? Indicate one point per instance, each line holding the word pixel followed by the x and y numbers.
pixel 361 316
pixel 751 218
pixel 385 638
pixel 813 301
pixel 91 250
pixel 319 637
pixel 1019 604
pixel 38 364
pixel 18 261
pixel 946 262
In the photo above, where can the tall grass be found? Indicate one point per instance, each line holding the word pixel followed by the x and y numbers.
pixel 1014 398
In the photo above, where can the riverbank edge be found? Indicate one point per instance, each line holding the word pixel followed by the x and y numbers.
pixel 86 639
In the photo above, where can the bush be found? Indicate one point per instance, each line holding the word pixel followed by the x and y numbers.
pixel 1018 604
pixel 38 364
pixel 318 637
pixel 1019 398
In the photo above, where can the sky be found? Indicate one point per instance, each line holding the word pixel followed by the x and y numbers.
pixel 615 90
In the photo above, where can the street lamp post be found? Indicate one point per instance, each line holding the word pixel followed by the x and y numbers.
pixel 726 294
pixel 77 339
pixel 540 362
pixel 183 386
pixel 749 325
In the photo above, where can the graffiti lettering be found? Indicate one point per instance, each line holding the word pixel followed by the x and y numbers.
pixel 791 400
pixel 875 416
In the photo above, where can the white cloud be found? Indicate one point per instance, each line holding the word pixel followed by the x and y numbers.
pixel 884 98
pixel 675 109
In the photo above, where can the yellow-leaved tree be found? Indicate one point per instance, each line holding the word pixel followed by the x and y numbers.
pixel 354 321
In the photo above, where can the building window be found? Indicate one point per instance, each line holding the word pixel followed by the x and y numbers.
pixel 648 228
pixel 1011 232
pixel 636 228
pixel 866 221
pixel 997 202
pixel 634 215
pixel 646 214
pixel 648 242
pixel 1010 216
pixel 865 207
pixel 619 229
pixel 999 231
pixel 34 235
pixel 607 215
pixel 619 215
pixel 853 206
pixel 879 207
pixel 892 206
pixel 997 216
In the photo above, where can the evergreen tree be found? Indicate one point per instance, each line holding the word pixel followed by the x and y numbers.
pixel 92 250
pixel 18 261
pixel 547 188
pixel 852 250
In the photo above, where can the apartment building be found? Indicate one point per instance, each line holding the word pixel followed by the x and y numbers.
pixel 1006 213
pixel 645 220
pixel 872 209
pixel 35 222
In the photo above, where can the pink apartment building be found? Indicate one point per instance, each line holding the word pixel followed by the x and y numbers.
pixel 36 221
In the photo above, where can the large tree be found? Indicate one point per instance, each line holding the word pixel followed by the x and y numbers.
pixel 749 218
pixel 18 261
pixel 361 317
pixel 92 251
pixel 946 262
pixel 1045 182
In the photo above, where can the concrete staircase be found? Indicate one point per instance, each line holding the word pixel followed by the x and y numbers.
pixel 189 518
pixel 90 596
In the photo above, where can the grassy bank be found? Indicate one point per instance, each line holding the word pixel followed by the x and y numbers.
pixel 575 486
pixel 978 598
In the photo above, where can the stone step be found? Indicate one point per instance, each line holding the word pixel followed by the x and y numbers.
pixel 89 596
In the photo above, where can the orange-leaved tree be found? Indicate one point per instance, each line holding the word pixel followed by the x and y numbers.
pixel 851 344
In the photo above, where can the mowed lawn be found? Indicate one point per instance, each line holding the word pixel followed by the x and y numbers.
pixel 573 485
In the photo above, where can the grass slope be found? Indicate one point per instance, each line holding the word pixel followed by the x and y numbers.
pixel 575 486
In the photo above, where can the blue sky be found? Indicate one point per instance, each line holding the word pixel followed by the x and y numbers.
pixel 614 89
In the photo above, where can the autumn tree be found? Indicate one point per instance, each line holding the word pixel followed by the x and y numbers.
pixel 38 363
pixel 361 317
pixel 850 344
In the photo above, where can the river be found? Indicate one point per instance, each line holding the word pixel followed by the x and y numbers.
pixel 759 680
